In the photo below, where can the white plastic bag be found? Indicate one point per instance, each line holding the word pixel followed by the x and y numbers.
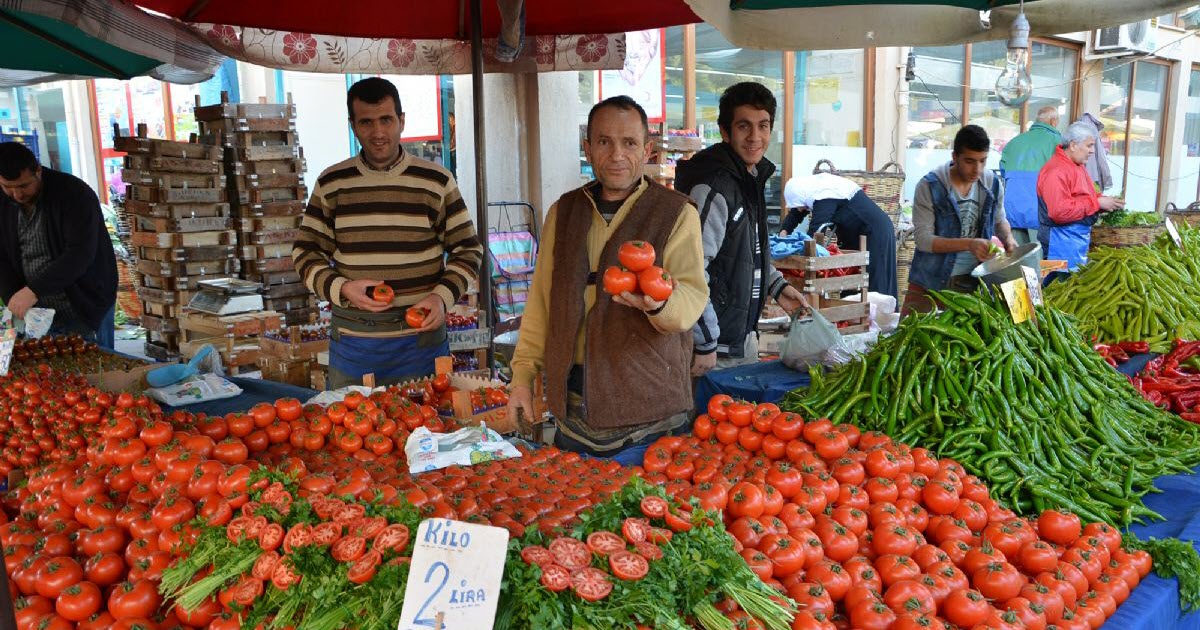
pixel 36 324
pixel 809 340
pixel 427 450
pixel 198 388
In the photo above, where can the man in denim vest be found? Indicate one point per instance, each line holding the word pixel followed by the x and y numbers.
pixel 957 208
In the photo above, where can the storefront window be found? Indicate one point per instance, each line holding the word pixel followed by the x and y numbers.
pixel 1002 122
pixel 1189 171
pixel 1133 133
pixel 829 114
pixel 674 76
pixel 934 110
pixel 720 64
pixel 1053 69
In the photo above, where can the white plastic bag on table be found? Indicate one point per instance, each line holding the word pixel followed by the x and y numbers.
pixel 427 450
pixel 36 324
pixel 851 347
pixel 884 316
pixel 327 398
pixel 809 341
pixel 195 389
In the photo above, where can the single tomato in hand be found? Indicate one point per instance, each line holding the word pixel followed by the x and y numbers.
pixel 415 317
pixel 618 280
pixel 656 283
pixel 636 255
pixel 382 293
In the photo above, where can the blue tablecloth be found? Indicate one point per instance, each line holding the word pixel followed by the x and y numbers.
pixel 254 391
pixel 765 381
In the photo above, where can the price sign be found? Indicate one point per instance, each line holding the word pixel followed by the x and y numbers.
pixel 454 579
pixel 1016 294
pixel 1174 232
pixel 8 339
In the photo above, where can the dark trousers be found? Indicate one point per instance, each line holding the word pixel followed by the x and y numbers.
pixel 859 216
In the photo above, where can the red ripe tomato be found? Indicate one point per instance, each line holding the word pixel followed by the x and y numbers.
pixel 618 280
pixel 140 599
pixel 656 283
pixel 555 578
pixel 383 293
pixel 999 581
pixel 759 563
pixel 966 608
pixel 288 409
pixel 636 255
pixel 787 554
pixel 745 499
pixel 909 596
pixel 414 318
pixel 591 584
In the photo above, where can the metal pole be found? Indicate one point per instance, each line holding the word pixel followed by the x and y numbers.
pixel 481 207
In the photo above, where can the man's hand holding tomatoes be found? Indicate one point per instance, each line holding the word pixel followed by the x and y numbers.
pixel 358 293
pixel 641 301
pixel 436 310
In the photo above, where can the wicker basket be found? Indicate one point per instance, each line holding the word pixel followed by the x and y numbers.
pixel 1132 236
pixel 906 247
pixel 883 186
pixel 1189 215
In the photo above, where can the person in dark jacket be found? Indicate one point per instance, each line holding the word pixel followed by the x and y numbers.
pixel 55 251
pixel 728 181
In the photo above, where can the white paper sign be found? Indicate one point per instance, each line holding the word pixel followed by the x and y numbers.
pixel 1174 233
pixel 454 576
pixel 1033 282
pixel 8 339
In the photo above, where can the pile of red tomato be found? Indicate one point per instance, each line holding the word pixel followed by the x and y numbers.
pixel 637 273
pixel 868 533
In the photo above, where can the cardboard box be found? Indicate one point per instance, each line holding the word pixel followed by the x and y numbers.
pixel 133 381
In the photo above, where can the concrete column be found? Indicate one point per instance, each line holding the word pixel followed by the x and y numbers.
pixel 558 95
pixel 503 130
pixel 891 106
pixel 80 137
pixel 256 82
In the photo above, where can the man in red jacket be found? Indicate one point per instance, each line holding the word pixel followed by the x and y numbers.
pixel 1067 199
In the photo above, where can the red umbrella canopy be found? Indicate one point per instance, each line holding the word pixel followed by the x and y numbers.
pixel 436 19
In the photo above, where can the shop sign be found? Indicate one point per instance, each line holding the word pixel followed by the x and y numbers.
pixel 454 579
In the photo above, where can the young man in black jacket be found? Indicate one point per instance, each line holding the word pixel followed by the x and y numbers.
pixel 55 251
pixel 728 182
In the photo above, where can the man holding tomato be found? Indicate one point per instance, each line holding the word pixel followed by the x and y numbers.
pixel 728 183
pixel 385 231
pixel 616 366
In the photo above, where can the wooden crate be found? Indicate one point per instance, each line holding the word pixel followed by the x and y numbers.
pixel 162 296
pixel 248 111
pixel 271 279
pixel 163 311
pixel 176 211
pixel 164 339
pixel 183 239
pixel 160 352
pixel 241 325
pixel 172 164
pixel 269 265
pixel 826 294
pixel 267 152
pixel 269 237
pixel 293 372
pixel 318 377
pixel 271 167
pixel 242 125
pixel 222 268
pixel 268 180
pixel 251 138
pixel 274 250
pixel 234 352
pixel 171 180
pixel 289 290
pixel 165 148
pixel 187 254
pixel 292 348
pixel 266 224
pixel 160 324
pixel 198 224
pixel 283 193
pixel 301 316
pixel 157 194
pixel 292 208
pixel 177 283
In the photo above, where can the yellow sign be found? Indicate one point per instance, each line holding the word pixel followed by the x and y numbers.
pixel 1016 294
pixel 823 90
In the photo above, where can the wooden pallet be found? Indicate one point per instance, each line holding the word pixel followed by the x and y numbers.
pixel 187 254
pixel 157 194
pixel 290 208
pixel 271 279
pixel 242 125
pixel 171 180
pixel 257 252
pixel 269 237
pixel 267 224
pixel 268 265
pixel 183 239
pixel 177 283
pixel 220 268
pixel 271 167
pixel 296 372
pixel 269 195
pixel 248 111
pixel 176 211
pixel 268 180
pixel 172 164
pixel 160 324
pixel 240 325
pixel 197 224
pixel 268 152
pixel 251 138
pixel 165 148
pixel 285 290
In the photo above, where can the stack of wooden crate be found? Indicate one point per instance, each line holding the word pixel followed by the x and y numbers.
pixel 176 199
pixel 264 169
pixel 235 337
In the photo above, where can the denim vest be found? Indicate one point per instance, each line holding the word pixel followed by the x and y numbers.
pixel 932 271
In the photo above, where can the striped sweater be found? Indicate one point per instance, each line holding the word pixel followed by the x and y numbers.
pixel 406 225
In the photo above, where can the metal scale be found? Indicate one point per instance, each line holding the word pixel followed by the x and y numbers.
pixel 227 296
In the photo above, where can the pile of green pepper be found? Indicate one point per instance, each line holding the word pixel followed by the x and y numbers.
pixel 1029 408
pixel 1149 293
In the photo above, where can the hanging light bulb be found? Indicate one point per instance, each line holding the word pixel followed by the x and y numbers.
pixel 1014 86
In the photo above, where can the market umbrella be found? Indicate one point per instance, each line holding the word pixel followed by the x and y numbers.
pixel 839 24
pixel 45 40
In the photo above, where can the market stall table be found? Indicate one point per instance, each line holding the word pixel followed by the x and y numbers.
pixel 254 391
pixel 765 381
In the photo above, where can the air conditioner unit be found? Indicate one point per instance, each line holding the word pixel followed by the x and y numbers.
pixel 1138 37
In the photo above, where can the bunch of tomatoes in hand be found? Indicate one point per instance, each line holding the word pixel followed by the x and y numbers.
pixel 858 528
pixel 637 273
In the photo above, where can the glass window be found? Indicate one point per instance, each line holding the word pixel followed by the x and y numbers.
pixel 589 95
pixel 1001 122
pixel 1053 69
pixel 1189 184
pixel 829 110
pixel 720 64
pixel 934 110
pixel 1133 104
pixel 674 61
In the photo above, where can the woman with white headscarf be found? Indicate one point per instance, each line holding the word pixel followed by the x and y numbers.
pixel 838 201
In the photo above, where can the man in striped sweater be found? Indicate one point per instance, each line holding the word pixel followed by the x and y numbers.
pixel 385 217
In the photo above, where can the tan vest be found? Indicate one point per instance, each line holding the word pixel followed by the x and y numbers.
pixel 634 374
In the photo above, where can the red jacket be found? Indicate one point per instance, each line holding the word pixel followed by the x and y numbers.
pixel 1067 189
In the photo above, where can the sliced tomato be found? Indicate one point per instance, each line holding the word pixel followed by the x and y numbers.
pixel 679 523
pixel 363 569
pixel 649 550
pixel 393 537
pixel 591 584
pixel 349 549
pixel 654 507
pixel 628 566
pixel 659 536
pixel 635 530
pixel 555 577
pixel 605 543
pixel 571 553
pixel 537 554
